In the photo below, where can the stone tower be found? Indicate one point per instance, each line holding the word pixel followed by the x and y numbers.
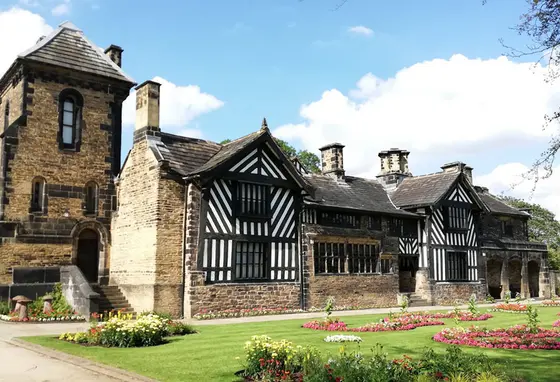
pixel 60 149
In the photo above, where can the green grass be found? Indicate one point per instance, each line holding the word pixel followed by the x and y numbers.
pixel 216 352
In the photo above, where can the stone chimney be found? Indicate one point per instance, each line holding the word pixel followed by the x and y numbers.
pixel 332 160
pixel 394 167
pixel 115 54
pixel 458 167
pixel 147 109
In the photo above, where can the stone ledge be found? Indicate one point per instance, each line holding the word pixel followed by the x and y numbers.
pixel 458 283
pixel 96 367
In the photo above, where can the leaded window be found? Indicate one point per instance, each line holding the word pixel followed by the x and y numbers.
pixel 252 200
pixel 251 261
pixel 457 266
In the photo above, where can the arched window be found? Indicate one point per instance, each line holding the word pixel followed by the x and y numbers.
pixel 91 198
pixel 70 103
pixel 38 188
pixel 6 115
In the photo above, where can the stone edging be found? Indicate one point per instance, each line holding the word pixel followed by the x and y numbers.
pixel 84 363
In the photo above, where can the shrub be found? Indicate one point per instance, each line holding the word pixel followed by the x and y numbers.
pixel 147 330
pixel 175 328
pixel 4 307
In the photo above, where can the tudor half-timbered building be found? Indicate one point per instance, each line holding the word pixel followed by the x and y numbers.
pixel 354 238
pixel 202 225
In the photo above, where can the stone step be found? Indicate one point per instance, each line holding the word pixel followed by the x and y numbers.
pixel 111 298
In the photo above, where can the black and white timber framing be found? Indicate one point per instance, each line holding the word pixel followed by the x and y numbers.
pixel 450 239
pixel 251 214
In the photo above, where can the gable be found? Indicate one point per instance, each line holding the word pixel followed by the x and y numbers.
pixel 460 194
pixel 259 162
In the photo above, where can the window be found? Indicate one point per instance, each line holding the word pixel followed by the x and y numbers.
pixel 374 223
pixel 91 198
pixel 507 229
pixel 251 261
pixel 457 266
pixel 252 200
pixel 338 219
pixel 410 228
pixel 70 114
pixel 38 195
pixel 336 258
pixel 457 218
pixel 395 227
pixel 6 115
pixel 385 266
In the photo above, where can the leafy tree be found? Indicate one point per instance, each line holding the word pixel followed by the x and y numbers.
pixel 309 160
pixel 543 227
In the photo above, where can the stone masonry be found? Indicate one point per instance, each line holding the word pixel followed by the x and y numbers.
pixel 31 149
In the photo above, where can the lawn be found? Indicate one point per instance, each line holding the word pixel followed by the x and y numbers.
pixel 216 352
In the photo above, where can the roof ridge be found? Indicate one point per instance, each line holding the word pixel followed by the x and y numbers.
pixel 432 174
pixel 184 138
pixel 258 132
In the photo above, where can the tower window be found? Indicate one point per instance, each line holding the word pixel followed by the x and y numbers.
pixel 38 195
pixel 70 115
pixel 91 198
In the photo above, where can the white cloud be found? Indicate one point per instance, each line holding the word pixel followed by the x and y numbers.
pixel 61 9
pixel 508 179
pixel 436 107
pixel 361 30
pixel 179 105
pixel 191 133
pixel 14 43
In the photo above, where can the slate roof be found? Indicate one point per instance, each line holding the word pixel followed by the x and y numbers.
pixel 423 190
pixel 228 150
pixel 183 154
pixel 67 47
pixel 498 207
pixel 352 193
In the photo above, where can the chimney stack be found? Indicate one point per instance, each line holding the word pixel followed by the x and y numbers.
pixel 394 167
pixel 459 167
pixel 115 54
pixel 332 160
pixel 147 109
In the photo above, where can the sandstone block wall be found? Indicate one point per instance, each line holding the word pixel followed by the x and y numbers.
pixel 169 254
pixel 220 297
pixel 134 228
pixel 449 293
pixel 354 290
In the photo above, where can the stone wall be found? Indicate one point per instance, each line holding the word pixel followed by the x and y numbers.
pixel 134 228
pixel 220 297
pixel 354 290
pixel 492 227
pixel 449 293
pixel 192 275
pixel 14 254
pixel 169 255
pixel 32 149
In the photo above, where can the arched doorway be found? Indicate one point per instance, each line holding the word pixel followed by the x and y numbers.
pixel 514 275
pixel 88 254
pixel 533 271
pixel 493 277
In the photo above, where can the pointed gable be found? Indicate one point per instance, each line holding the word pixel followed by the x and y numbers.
pixel 67 47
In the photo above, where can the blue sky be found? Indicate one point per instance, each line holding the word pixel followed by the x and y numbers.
pixel 268 57
pixel 299 64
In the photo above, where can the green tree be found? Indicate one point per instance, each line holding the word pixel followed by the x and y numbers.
pixel 309 160
pixel 543 227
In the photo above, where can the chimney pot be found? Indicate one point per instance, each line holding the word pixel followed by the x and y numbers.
pixel 115 54
pixel 459 167
pixel 147 106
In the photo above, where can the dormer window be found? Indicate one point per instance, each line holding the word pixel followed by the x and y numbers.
pixel 70 115
pixel 253 200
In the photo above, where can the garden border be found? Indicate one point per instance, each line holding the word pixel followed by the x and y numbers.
pixel 84 363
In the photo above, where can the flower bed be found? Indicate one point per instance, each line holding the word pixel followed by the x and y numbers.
pixel 551 303
pixel 556 324
pixel 342 338
pixel 405 322
pixel 121 331
pixel 510 308
pixel 12 317
pixel 516 337
pixel 461 315
pixel 268 360
pixel 249 312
